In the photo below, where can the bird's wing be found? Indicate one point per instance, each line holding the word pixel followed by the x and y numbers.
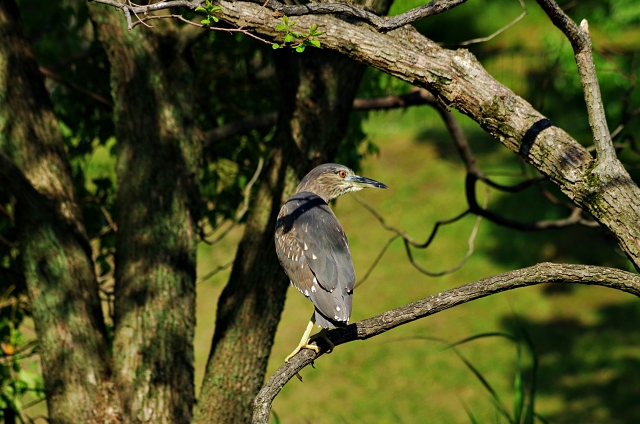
pixel 325 247
pixel 305 227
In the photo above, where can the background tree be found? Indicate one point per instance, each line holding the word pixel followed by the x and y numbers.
pixel 205 139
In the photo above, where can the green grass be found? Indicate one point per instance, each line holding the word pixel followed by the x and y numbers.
pixel 399 377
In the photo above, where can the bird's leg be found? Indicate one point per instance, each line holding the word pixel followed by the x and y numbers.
pixel 304 342
pixel 323 335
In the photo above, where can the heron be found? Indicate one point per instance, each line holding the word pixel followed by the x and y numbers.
pixel 313 248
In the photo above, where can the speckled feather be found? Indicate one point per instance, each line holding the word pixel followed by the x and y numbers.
pixel 314 252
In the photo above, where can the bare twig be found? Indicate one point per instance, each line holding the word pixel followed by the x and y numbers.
pixel 413 98
pixel 112 225
pixel 434 7
pixel 245 205
pixel 215 271
pixel 7 242
pixel 410 242
pixel 538 274
pixel 198 25
pixel 501 30
pixel 376 260
pixel 50 74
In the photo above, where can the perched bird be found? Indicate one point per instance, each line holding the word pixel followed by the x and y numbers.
pixel 313 248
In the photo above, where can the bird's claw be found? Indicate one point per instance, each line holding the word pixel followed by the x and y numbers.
pixel 313 347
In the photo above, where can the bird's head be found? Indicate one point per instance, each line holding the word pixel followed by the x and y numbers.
pixel 331 180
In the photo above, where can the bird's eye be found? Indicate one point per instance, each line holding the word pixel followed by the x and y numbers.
pixel 342 174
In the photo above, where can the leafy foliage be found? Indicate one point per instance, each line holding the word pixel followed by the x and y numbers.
pixel 208 10
pixel 297 40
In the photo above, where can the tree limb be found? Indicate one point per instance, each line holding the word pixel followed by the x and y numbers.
pixel 538 274
pixel 242 126
pixel 435 7
pixel 578 36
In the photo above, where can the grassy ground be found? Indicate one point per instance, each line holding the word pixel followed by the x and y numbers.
pixel 587 346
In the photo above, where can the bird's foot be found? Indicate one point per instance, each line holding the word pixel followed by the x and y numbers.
pixel 301 346
pixel 323 335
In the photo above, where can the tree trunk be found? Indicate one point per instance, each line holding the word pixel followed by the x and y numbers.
pixel 55 252
pixel 158 157
pixel 317 89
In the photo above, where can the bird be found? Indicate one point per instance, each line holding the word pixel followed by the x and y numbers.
pixel 313 248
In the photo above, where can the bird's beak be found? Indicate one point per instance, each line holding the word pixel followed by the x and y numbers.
pixel 363 182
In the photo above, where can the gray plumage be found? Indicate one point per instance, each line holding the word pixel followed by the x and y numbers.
pixel 312 246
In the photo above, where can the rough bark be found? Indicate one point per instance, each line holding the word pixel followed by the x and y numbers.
pixel 538 274
pixel 155 259
pixel 317 89
pixel 54 248
pixel 458 79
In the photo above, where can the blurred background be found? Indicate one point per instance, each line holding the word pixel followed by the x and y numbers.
pixel 578 346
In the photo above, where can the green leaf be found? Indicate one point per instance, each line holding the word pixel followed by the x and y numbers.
pixel 316 43
pixel 200 9
pixel 518 387
pixel 300 49
pixel 275 46
pixel 288 38
pixel 295 34
pixel 215 9
pixel 280 27
pixel 205 22
pixel 214 18
pixel 285 19
pixel 312 28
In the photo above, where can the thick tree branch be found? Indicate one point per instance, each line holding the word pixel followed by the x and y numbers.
pixel 435 7
pixel 538 274
pixel 578 36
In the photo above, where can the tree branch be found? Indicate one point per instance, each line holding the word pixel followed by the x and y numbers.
pixel 538 274
pixel 242 126
pixel 100 99
pixel 435 7
pixel 578 36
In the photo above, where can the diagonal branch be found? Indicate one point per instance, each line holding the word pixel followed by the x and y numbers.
pixel 537 274
pixel 578 36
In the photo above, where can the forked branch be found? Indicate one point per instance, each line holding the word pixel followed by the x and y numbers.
pixel 578 36
pixel 538 274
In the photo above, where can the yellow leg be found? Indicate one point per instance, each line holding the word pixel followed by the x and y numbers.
pixel 304 342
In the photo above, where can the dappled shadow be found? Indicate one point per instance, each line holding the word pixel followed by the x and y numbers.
pixel 594 368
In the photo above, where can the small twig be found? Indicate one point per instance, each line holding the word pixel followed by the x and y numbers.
pixel 195 24
pixel 376 260
pixel 470 250
pixel 6 212
pixel 501 30
pixel 409 242
pixel 242 126
pixel 215 271
pixel 112 225
pixel 245 205
pixel 8 243
pixel 138 17
pixel 50 74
